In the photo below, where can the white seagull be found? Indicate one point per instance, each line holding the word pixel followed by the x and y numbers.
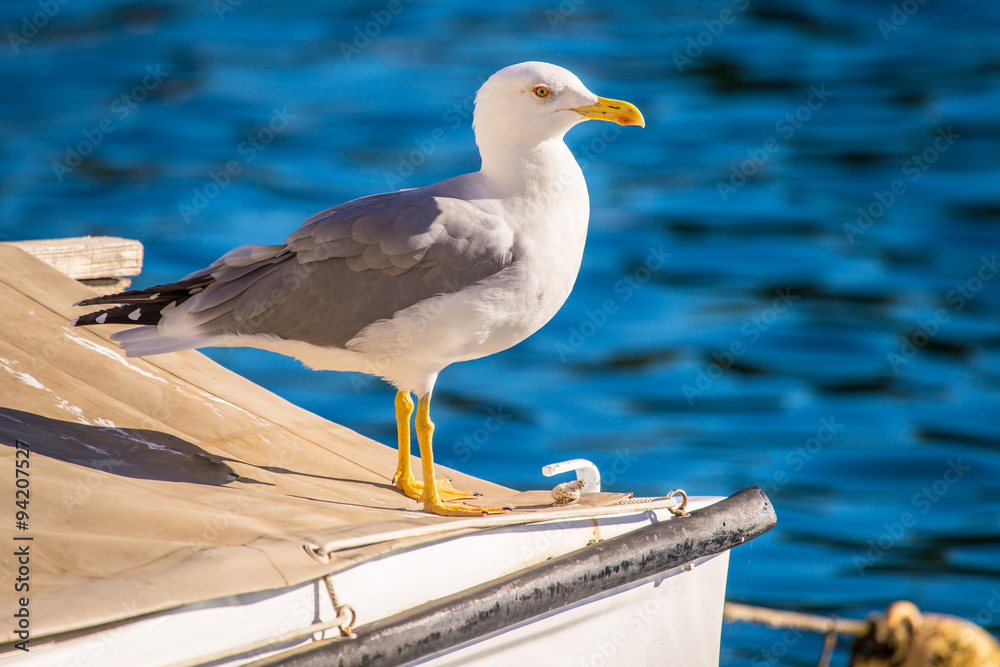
pixel 402 284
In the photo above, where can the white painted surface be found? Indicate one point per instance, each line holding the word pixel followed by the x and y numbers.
pixel 675 614
pixel 671 619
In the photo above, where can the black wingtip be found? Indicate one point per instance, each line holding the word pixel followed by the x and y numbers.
pixel 105 299
pixel 90 318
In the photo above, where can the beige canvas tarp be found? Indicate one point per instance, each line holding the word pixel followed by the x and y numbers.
pixel 169 480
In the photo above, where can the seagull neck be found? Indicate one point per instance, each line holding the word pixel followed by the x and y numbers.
pixel 514 169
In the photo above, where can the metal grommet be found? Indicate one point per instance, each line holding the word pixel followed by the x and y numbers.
pixel 680 510
pixel 347 631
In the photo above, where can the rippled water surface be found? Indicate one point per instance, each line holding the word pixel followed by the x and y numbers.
pixel 790 281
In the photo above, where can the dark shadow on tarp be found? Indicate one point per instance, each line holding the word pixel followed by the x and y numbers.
pixel 129 452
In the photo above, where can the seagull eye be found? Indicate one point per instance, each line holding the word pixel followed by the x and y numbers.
pixel 541 91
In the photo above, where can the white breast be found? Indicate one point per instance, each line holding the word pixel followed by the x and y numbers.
pixel 549 221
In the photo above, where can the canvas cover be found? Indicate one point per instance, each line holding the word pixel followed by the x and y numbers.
pixel 170 480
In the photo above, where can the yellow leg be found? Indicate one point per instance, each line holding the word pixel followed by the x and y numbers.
pixel 403 479
pixel 432 495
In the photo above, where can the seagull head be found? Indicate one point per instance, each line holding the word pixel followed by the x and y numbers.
pixel 529 103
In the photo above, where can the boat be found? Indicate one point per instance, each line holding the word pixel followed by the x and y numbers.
pixel 175 513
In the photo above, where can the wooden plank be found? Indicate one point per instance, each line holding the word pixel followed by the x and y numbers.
pixel 87 257
pixel 107 285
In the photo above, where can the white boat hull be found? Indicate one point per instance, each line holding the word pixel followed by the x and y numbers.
pixel 671 617
pixel 674 618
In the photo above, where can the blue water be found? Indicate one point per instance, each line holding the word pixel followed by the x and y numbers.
pixel 790 279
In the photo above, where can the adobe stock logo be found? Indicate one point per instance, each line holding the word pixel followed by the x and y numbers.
pixel 913 169
pixel 121 108
pixel 901 13
pixel 31 25
pixel 923 500
pixel 785 127
pixel 363 35
pixel 696 44
pixel 626 287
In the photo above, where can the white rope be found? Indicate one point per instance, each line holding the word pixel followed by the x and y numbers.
pixel 339 622
pixel 631 505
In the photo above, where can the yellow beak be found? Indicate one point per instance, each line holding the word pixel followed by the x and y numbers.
pixel 616 111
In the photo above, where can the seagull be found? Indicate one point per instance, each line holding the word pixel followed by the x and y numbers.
pixel 399 285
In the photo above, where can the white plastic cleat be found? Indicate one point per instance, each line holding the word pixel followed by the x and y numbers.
pixel 586 472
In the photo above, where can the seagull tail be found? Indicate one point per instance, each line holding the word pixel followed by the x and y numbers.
pixel 146 306
pixel 143 341
pixel 143 306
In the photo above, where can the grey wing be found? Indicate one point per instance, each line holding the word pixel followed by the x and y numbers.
pixel 348 267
